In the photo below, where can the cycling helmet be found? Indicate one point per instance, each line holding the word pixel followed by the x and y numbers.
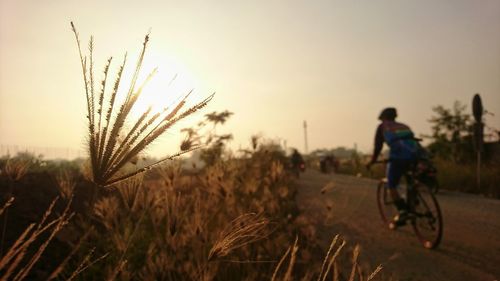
pixel 388 113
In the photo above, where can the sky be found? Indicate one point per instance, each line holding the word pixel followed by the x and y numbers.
pixel 273 63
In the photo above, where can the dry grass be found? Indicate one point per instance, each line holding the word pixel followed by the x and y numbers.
pixel 291 254
pixel 174 225
pixel 330 260
pixel 56 272
pixel 181 227
pixel 243 230
pixel 329 268
pixel 328 187
pixel 16 263
pixel 462 177
pixel 16 168
pixel 85 264
pixel 6 205
pixel 111 145
pixel 66 184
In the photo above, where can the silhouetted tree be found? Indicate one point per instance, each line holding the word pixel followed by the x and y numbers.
pixel 451 133
pixel 213 144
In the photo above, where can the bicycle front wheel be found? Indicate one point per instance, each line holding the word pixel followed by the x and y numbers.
pixel 428 221
pixel 385 204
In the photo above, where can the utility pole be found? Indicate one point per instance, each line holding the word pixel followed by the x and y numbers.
pixel 305 138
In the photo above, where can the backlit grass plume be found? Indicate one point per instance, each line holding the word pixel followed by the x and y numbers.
pixel 242 231
pixel 111 145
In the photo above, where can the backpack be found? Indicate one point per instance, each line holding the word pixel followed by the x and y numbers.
pixel 425 170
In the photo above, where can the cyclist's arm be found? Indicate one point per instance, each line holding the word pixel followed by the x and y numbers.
pixel 379 143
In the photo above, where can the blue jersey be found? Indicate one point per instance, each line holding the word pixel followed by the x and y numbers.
pixel 400 140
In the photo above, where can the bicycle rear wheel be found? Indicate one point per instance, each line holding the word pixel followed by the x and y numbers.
pixel 385 204
pixel 428 221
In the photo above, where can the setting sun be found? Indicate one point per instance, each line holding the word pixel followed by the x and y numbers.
pixel 171 82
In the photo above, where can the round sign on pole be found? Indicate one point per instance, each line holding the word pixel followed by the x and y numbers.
pixel 477 108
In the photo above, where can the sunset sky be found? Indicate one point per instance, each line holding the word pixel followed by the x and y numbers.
pixel 273 63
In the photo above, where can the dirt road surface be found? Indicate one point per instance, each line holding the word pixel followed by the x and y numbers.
pixel 470 249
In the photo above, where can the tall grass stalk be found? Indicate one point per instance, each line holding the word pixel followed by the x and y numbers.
pixel 329 264
pixel 355 267
pixel 280 263
pixel 330 258
pixel 86 263
pixel 56 272
pixel 14 169
pixel 6 205
pixel 242 231
pixel 11 264
pixel 109 152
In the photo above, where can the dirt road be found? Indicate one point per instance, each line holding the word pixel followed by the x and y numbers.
pixel 470 249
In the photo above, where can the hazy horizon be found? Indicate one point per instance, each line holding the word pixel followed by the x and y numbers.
pixel 274 64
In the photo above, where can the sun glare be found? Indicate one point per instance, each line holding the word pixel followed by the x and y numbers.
pixel 172 81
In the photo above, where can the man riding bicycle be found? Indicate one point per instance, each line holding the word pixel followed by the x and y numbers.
pixel 297 162
pixel 402 156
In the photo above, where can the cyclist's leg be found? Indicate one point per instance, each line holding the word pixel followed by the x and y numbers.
pixel 395 170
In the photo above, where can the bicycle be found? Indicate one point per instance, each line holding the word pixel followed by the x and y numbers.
pixel 424 212
pixel 426 173
pixel 297 169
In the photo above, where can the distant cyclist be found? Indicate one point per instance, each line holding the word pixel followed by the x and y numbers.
pixel 298 164
pixel 402 156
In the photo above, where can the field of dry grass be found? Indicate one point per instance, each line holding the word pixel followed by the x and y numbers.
pixel 234 220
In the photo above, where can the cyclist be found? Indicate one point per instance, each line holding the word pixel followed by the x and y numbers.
pixel 297 162
pixel 402 156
